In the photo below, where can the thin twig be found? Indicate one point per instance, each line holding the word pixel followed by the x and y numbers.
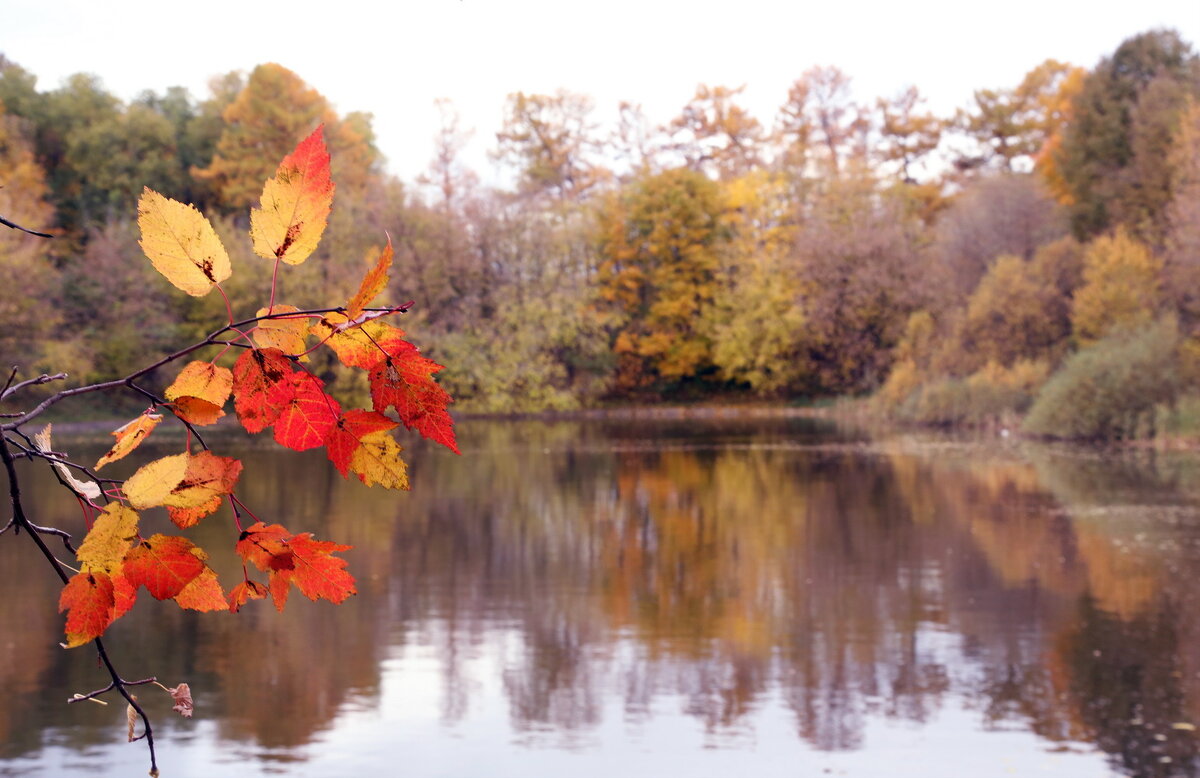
pixel 42 379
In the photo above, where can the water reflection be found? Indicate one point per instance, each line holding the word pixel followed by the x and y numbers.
pixel 577 587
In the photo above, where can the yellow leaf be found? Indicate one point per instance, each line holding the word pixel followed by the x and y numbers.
pixel 151 485
pixel 181 244
pixel 377 461
pixel 295 204
pixel 129 437
pixel 111 536
pixel 287 335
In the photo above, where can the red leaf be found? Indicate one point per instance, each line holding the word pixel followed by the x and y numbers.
pixel 299 560
pixel 346 436
pixel 308 413
pixel 88 600
pixel 124 593
pixel 257 374
pixel 164 565
pixel 318 574
pixel 404 380
pixel 244 592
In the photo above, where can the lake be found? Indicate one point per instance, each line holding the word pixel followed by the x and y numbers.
pixel 650 597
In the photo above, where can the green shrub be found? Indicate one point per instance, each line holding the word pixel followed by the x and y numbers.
pixel 1109 390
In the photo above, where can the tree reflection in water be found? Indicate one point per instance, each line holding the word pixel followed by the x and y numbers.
pixel 713 571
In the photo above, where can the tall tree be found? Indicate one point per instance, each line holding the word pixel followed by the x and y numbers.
pixel 907 135
pixel 657 276
pixel 820 121
pixel 272 111
pixel 716 135
pixel 551 140
pixel 1099 156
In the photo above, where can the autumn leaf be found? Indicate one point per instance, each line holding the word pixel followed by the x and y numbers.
pixel 257 375
pixel 124 594
pixel 285 334
pixel 207 479
pixel 131 717
pixel 112 535
pixel 88 600
pixel 308 413
pixel 199 391
pixel 129 436
pixel 244 592
pixel 372 284
pixel 298 560
pixel 153 482
pixel 295 204
pixel 346 435
pixel 181 244
pixel 359 346
pixel 182 695
pixel 377 461
pixel 404 381
pixel 165 565
pixel 203 593
pixel 86 489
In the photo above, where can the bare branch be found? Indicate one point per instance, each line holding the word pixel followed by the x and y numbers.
pixel 7 223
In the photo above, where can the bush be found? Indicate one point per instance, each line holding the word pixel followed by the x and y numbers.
pixel 992 395
pixel 1109 390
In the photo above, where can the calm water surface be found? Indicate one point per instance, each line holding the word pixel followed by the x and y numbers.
pixel 773 598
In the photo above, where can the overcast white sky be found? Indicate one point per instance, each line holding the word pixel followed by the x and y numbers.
pixel 394 59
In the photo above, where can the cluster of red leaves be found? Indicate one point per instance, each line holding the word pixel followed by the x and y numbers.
pixel 270 388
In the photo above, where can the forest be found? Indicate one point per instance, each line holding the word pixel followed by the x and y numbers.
pixel 1032 260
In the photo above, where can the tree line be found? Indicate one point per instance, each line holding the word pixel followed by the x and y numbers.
pixel 960 269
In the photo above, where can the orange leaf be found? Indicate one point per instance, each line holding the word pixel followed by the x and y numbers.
pixel 181 244
pixel 193 410
pixel 295 204
pixel 165 565
pixel 130 436
pixel 88 600
pixel 308 413
pixel 151 485
pixel 199 392
pixel 287 335
pixel 257 375
pixel 363 345
pixel 204 593
pixel 405 381
pixel 372 284
pixel 244 592
pixel 207 479
pixel 346 435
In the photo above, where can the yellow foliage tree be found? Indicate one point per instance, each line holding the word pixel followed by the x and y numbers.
pixel 24 259
pixel 1121 287
pixel 658 274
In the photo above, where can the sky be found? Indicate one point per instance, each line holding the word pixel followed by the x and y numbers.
pixel 395 59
